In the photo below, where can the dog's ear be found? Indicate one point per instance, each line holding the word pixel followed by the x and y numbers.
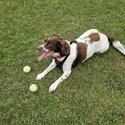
pixel 64 47
pixel 58 36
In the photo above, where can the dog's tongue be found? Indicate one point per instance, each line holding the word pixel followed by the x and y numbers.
pixel 44 56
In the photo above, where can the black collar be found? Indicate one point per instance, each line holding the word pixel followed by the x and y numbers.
pixel 73 41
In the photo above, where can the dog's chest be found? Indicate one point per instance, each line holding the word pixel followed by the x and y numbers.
pixel 77 55
pixel 69 59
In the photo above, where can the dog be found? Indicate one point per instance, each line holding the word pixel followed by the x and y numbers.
pixel 68 54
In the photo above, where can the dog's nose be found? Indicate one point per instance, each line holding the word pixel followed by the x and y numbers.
pixel 38 48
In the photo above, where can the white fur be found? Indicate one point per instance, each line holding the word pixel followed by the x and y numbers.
pixel 119 46
pixel 50 67
pixel 46 50
pixel 92 47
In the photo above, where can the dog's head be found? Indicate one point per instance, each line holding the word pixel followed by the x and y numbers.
pixel 53 45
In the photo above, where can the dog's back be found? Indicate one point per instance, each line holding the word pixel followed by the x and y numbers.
pixel 98 42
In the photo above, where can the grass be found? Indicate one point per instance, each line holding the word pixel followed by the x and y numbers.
pixel 94 94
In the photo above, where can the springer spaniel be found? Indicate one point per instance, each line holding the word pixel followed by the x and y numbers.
pixel 68 54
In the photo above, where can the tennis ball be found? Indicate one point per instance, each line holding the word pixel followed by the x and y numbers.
pixel 26 69
pixel 33 87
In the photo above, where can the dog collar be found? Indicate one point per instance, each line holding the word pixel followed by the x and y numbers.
pixel 58 57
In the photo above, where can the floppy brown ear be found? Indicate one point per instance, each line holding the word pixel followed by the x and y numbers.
pixel 65 49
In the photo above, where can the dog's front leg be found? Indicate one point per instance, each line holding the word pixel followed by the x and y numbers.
pixel 66 72
pixel 58 81
pixel 47 70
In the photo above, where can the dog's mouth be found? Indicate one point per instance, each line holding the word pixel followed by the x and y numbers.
pixel 45 55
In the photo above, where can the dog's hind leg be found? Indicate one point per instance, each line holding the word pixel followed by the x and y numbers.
pixel 119 46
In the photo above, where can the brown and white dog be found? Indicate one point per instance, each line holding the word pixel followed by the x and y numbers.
pixel 68 54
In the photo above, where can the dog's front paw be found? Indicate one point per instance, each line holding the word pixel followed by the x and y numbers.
pixel 40 76
pixel 52 88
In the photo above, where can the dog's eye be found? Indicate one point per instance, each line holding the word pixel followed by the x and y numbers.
pixel 48 43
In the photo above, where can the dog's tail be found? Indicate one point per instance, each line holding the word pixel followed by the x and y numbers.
pixel 117 44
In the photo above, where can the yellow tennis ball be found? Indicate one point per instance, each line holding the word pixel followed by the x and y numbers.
pixel 33 88
pixel 26 69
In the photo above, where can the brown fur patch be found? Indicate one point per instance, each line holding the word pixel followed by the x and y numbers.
pixel 94 37
pixel 81 53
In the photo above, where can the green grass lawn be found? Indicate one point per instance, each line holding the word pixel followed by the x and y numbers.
pixel 94 94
